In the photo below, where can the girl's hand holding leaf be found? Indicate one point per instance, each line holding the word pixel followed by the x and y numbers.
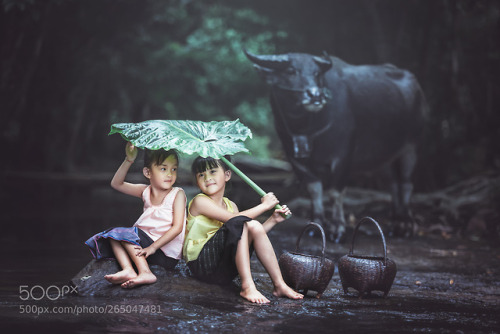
pixel 131 152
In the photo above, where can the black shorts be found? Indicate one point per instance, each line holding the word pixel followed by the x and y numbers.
pixel 217 260
pixel 158 258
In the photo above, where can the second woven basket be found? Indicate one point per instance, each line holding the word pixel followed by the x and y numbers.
pixel 367 273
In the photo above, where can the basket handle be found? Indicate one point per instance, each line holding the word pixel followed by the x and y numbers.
pixel 318 226
pixel 381 234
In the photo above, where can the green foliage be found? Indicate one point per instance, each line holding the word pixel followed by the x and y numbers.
pixel 198 70
pixel 209 64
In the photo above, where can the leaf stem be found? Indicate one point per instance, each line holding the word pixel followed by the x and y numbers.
pixel 252 184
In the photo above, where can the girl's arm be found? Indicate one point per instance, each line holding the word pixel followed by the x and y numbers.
pixel 179 209
pixel 207 207
pixel 118 181
pixel 268 201
pixel 276 217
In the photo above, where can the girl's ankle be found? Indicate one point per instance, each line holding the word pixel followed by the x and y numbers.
pixel 145 271
pixel 279 285
pixel 247 285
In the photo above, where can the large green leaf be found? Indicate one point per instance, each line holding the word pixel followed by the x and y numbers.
pixel 214 139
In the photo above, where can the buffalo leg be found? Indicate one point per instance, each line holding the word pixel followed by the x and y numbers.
pixel 315 190
pixel 338 214
pixel 402 189
pixel 332 230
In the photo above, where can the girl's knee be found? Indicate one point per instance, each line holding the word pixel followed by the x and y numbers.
pixel 254 227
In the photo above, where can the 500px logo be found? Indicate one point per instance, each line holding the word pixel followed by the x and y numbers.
pixel 38 292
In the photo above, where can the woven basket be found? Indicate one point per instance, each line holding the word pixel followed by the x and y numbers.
pixel 367 273
pixel 307 272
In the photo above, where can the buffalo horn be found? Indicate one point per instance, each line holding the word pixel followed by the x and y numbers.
pixel 323 62
pixel 277 62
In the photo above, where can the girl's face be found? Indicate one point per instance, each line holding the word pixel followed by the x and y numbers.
pixel 213 181
pixel 163 176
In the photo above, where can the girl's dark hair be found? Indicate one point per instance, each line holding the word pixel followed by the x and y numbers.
pixel 156 157
pixel 201 164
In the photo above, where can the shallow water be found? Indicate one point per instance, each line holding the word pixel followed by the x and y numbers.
pixel 442 286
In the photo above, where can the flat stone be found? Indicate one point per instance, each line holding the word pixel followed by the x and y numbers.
pixel 90 281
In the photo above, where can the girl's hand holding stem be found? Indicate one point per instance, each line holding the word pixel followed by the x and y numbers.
pixel 269 201
pixel 280 214
pixel 277 217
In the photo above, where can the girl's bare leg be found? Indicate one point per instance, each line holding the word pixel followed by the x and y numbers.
pixel 248 289
pixel 253 232
pixel 145 275
pixel 123 259
pixel 265 252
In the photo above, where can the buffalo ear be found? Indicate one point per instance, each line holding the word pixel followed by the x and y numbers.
pixel 267 74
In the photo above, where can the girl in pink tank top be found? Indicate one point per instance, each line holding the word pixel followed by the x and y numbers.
pixel 158 235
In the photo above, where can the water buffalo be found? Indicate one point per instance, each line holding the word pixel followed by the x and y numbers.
pixel 334 118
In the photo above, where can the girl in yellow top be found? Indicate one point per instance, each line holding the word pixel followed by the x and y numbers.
pixel 220 239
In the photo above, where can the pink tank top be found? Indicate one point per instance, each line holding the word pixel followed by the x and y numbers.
pixel 157 219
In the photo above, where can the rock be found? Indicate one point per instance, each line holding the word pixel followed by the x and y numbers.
pixel 90 282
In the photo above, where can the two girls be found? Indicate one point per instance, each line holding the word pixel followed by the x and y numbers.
pixel 219 239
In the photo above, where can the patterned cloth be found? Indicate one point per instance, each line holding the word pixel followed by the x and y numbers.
pixel 216 262
pixel 101 248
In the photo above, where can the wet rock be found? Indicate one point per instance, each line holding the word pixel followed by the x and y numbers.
pixel 90 282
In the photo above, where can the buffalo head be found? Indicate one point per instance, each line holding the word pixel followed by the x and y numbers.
pixel 300 75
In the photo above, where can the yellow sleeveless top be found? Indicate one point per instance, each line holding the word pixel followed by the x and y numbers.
pixel 199 230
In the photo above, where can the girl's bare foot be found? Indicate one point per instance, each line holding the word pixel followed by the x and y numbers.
pixel 142 278
pixel 121 276
pixel 286 291
pixel 254 296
